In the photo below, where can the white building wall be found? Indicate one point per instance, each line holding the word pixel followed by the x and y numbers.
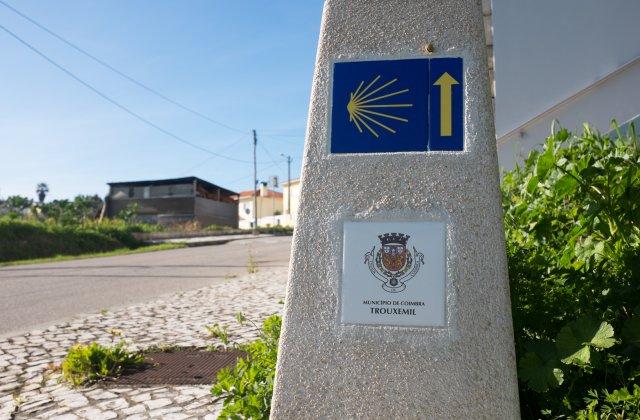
pixel 548 53
pixel 295 197
pixel 617 97
pixel 267 208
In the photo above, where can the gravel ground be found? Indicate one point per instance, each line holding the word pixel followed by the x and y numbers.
pixel 30 386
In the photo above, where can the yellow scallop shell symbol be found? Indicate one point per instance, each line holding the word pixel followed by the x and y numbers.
pixel 361 106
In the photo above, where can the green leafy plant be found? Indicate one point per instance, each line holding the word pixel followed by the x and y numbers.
pixel 86 364
pixel 220 332
pixel 572 221
pixel 246 389
pixel 241 318
pixel 619 405
pixel 128 213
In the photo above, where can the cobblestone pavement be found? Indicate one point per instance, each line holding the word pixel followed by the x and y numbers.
pixel 31 387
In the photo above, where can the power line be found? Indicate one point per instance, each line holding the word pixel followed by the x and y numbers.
pixel 271 165
pixel 236 141
pixel 116 103
pixel 118 72
pixel 270 157
pixel 289 139
pixel 276 134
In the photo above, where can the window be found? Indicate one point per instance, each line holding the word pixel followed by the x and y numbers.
pixel 130 192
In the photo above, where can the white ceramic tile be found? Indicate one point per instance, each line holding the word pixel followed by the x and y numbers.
pixel 406 290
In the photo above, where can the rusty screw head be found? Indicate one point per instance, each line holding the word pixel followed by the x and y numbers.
pixel 428 48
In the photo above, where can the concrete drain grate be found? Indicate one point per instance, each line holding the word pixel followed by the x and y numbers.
pixel 181 367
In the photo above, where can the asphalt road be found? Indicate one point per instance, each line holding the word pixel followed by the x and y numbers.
pixel 33 296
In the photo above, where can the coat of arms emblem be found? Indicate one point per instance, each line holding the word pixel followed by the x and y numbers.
pixel 393 264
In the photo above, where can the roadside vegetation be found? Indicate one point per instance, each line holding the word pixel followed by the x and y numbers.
pixel 31 238
pixel 60 229
pixel 33 230
pixel 274 230
pixel 115 252
pixel 572 219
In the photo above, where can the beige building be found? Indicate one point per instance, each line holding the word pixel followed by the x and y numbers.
pixel 291 196
pixel 269 206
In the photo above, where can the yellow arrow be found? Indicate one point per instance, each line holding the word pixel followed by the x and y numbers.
pixel 445 82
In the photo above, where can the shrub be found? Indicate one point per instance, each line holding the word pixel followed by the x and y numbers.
pixel 22 239
pixel 128 213
pixel 219 228
pixel 276 230
pixel 247 388
pixel 85 364
pixel 572 219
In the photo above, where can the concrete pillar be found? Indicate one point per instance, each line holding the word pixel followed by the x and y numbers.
pixel 352 344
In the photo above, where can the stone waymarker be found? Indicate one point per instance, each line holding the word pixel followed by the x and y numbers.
pixel 397 302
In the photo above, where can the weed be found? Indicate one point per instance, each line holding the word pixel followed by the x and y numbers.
pixel 85 364
pixel 252 267
pixel 162 348
pixel 115 331
pixel 219 332
pixel 18 400
pixel 241 318
pixel 50 369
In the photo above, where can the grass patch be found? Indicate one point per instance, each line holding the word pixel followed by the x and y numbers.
pixel 86 364
pixel 115 252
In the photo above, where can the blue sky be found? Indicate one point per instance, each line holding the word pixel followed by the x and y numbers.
pixel 247 64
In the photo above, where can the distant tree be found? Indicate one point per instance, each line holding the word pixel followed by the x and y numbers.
pixel 61 211
pixel 17 204
pixel 66 212
pixel 42 189
pixel 87 206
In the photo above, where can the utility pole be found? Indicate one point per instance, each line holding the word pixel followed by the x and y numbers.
pixel 255 184
pixel 288 182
